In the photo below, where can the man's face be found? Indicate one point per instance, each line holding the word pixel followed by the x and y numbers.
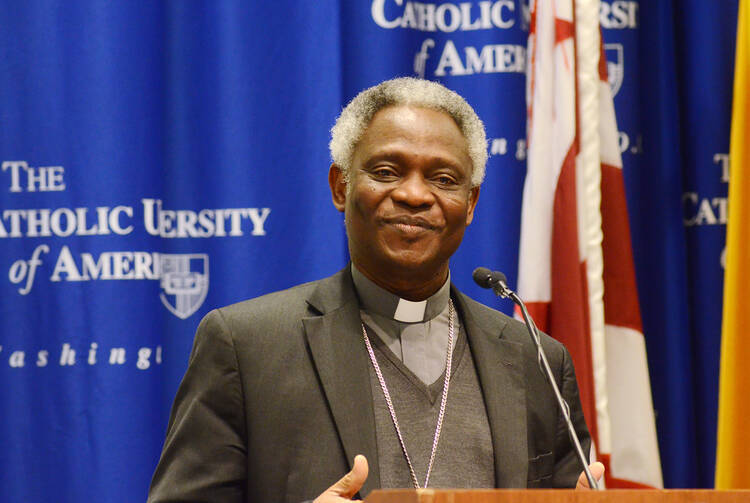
pixel 409 197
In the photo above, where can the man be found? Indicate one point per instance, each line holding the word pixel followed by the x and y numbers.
pixel 385 359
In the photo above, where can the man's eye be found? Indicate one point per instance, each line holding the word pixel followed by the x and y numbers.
pixel 383 172
pixel 445 180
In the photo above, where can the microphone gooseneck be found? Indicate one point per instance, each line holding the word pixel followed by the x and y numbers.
pixel 496 281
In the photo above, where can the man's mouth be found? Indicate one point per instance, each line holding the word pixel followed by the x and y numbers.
pixel 410 225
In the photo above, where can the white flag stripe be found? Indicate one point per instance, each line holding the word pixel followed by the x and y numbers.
pixel 634 444
pixel 551 94
pixel 610 146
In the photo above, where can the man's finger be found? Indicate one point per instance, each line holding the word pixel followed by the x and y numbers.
pixel 349 484
pixel 596 469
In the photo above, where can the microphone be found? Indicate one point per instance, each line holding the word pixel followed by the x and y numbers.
pixel 498 283
pixel 492 279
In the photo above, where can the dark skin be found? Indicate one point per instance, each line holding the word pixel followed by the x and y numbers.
pixel 408 200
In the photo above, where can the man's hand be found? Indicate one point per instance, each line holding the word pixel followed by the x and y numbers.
pixel 596 469
pixel 348 485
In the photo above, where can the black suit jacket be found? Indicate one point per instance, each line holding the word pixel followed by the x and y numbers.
pixel 276 400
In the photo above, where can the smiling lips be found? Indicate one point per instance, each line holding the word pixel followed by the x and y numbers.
pixel 410 225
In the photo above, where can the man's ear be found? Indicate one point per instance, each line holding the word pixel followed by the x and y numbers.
pixel 338 187
pixel 473 197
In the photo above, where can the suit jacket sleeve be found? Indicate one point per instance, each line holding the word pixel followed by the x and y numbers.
pixel 567 465
pixel 204 455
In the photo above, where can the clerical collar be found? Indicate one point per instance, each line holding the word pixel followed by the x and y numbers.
pixel 376 299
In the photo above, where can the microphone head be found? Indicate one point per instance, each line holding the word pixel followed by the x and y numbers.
pixel 498 277
pixel 482 277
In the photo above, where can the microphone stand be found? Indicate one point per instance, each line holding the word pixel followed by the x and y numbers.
pixel 501 290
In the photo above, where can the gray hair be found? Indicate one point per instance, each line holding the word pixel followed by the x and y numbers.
pixel 356 116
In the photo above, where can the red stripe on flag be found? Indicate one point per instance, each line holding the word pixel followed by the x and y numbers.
pixel 569 309
pixel 539 312
pixel 620 291
pixel 563 30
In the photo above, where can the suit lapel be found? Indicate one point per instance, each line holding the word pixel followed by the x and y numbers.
pixel 499 367
pixel 340 357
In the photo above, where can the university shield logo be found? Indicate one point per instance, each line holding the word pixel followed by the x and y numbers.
pixel 615 66
pixel 184 282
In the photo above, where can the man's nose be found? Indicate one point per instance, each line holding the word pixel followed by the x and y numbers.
pixel 414 191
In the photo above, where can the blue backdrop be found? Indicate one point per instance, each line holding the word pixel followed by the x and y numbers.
pixel 161 159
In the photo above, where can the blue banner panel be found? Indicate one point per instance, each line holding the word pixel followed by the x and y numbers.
pixel 158 160
pixel 670 65
pixel 705 36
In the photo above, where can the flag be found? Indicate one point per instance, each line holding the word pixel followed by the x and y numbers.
pixel 575 261
pixel 733 438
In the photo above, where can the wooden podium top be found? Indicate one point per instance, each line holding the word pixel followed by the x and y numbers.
pixel 556 496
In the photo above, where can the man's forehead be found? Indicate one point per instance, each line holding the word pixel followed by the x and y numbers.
pixel 413 121
pixel 413 113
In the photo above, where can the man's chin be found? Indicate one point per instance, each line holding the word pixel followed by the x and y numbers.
pixel 414 262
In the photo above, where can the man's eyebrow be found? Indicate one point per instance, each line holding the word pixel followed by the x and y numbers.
pixel 398 157
pixel 384 156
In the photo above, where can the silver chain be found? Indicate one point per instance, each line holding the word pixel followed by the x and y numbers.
pixel 387 395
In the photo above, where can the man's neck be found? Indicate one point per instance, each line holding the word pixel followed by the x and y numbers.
pixel 409 286
pixel 376 300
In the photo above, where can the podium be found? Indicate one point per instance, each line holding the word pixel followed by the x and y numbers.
pixel 556 496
